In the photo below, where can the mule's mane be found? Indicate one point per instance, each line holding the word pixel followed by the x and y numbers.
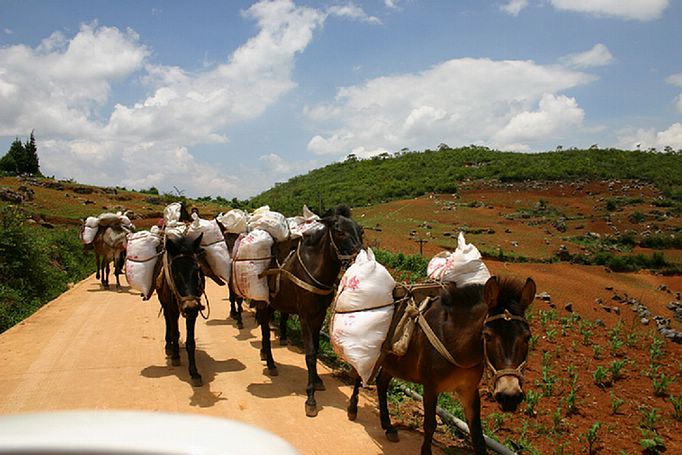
pixel 452 296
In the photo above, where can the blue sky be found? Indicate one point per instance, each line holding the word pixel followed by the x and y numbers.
pixel 226 98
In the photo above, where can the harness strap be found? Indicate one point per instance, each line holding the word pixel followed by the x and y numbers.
pixel 299 282
pixel 436 343
pixel 145 260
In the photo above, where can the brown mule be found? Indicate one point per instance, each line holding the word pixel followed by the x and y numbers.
pixel 110 245
pixel 480 326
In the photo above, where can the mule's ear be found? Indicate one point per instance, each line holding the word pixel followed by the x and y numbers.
pixel 491 292
pixel 171 247
pixel 196 245
pixel 528 293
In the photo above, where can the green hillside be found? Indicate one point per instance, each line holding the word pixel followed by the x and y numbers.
pixel 404 175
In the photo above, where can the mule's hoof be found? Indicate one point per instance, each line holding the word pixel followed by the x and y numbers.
pixel 263 356
pixel 175 362
pixel 310 410
pixel 273 371
pixel 240 325
pixel 319 386
pixel 283 342
pixel 392 435
pixel 197 382
pixel 352 415
pixel 233 314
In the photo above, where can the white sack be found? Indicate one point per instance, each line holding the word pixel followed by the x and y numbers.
pixel 141 259
pixel 463 266
pixel 108 219
pixel 213 242
pixel 357 337
pixel 89 230
pixel 176 228
pixel 252 257
pixel 274 223
pixel 235 221
pixel 172 213
pixel 366 284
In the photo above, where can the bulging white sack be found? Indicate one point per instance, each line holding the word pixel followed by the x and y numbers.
pixel 463 266
pixel 366 284
pixel 108 219
pixel 89 230
pixel 213 243
pixel 141 258
pixel 357 337
pixel 274 223
pixel 252 257
pixel 235 221
pixel 172 213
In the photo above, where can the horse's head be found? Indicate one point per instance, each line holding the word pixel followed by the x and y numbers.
pixel 183 271
pixel 505 337
pixel 346 235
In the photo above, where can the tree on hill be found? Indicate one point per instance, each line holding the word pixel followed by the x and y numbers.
pixel 21 158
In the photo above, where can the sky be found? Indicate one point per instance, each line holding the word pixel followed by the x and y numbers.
pixel 228 98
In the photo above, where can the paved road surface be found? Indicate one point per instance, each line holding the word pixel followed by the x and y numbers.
pixel 97 349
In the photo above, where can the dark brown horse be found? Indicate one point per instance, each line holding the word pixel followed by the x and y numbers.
pixel 109 245
pixel 479 326
pixel 179 284
pixel 304 284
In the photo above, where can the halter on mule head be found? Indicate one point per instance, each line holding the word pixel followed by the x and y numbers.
pixel 516 371
pixel 187 283
pixel 350 241
pixel 505 339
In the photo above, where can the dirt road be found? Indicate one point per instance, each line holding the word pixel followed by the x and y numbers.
pixel 97 349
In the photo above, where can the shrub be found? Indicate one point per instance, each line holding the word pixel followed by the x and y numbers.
pixel 35 265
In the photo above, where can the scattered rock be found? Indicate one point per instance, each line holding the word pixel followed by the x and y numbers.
pixel 598 301
pixel 569 307
pixel 544 296
pixel 616 310
pixel 645 321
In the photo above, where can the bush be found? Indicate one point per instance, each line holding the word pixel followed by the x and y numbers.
pixel 35 265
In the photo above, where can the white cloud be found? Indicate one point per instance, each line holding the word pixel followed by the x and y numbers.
pixel 514 7
pixel 599 55
pixel 62 87
pixel 462 101
pixel 352 11
pixel 647 138
pixel 641 10
pixel 391 4
pixel 675 79
pixel 555 114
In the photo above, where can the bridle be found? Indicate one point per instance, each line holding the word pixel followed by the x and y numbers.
pixel 317 287
pixel 179 298
pixel 518 370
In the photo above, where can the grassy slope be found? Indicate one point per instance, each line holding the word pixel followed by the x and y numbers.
pixel 382 179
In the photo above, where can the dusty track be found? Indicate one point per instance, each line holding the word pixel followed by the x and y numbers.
pixel 98 349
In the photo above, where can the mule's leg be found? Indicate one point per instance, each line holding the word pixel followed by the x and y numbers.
pixel 118 266
pixel 352 410
pixel 382 381
pixel 172 334
pixel 263 314
pixel 430 400
pixel 190 345
pixel 283 319
pixel 236 309
pixel 471 401
pixel 105 273
pixel 97 262
pixel 311 341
